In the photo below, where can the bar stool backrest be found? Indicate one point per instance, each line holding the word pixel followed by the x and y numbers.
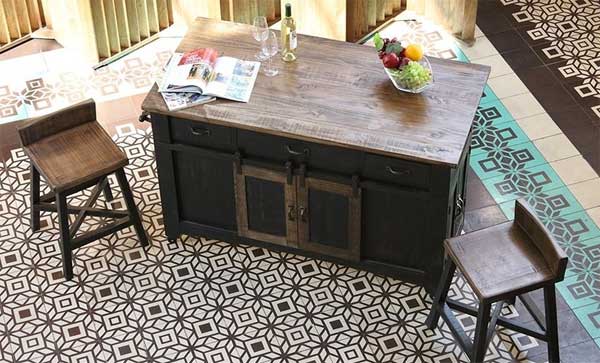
pixel 554 255
pixel 41 127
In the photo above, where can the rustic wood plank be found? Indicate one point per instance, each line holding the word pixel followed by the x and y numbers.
pixel 112 28
pixel 142 13
pixel 100 30
pixel 4 31
pixel 11 19
pixel 340 95
pixel 152 9
pixel 226 7
pixel 122 24
pixel 372 13
pixel 163 14
pixel 132 21
pixel 469 19
pixel 170 12
pixel 22 17
pixel 33 11
pixel 381 10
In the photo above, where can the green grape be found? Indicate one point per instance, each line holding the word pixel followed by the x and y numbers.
pixel 414 75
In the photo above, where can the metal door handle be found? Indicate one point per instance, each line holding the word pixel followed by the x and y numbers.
pixel 199 131
pixel 294 152
pixel 302 214
pixel 291 213
pixel 397 172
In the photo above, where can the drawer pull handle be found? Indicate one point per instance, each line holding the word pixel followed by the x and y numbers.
pixel 199 131
pixel 291 213
pixel 294 152
pixel 397 172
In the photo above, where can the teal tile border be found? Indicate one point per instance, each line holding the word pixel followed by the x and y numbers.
pixel 504 157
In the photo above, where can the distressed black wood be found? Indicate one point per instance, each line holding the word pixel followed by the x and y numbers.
pixel 405 208
pixel 551 324
pixel 134 214
pixel 34 198
pixel 65 236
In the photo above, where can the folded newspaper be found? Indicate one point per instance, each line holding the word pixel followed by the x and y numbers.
pixel 200 76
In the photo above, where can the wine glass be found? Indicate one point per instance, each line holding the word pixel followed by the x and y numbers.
pixel 260 30
pixel 270 49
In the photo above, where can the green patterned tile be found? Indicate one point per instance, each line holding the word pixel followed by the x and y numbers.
pixel 527 183
pixel 494 112
pixel 487 137
pixel 589 316
pixel 580 290
pixel 597 342
pixel 508 208
pixel 488 96
pixel 506 161
pixel 584 256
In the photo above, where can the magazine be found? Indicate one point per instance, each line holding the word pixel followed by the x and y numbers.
pixel 203 72
pixel 180 100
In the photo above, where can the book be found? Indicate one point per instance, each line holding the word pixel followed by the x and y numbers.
pixel 203 72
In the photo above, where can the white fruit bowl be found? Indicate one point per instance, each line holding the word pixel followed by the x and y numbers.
pixel 403 87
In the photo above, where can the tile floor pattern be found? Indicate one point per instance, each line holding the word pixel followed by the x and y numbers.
pixel 55 79
pixel 567 33
pixel 203 300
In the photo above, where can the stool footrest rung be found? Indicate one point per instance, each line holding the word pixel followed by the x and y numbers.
pixel 103 231
pixel 466 309
pixel 90 211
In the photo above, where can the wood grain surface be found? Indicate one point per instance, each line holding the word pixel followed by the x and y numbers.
pixel 338 93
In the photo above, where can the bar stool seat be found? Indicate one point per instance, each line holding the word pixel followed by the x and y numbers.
pixel 500 264
pixel 73 152
pixel 76 156
pixel 507 250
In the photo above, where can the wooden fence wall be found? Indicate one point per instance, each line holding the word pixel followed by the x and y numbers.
pixel 19 18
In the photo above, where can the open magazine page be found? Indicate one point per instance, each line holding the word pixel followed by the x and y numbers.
pixel 190 72
pixel 233 79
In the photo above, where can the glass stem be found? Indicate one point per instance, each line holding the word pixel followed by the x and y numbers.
pixel 270 64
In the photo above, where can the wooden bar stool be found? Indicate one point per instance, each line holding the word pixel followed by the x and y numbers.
pixel 73 152
pixel 501 263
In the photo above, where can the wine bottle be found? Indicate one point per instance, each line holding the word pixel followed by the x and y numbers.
pixel 289 40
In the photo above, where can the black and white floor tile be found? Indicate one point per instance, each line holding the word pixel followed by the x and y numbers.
pixel 202 300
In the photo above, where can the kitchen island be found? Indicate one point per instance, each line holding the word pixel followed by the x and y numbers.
pixel 327 159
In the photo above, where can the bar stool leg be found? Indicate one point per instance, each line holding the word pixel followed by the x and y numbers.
pixel 108 196
pixel 551 323
pixel 134 214
pixel 480 341
pixel 65 239
pixel 34 195
pixel 440 295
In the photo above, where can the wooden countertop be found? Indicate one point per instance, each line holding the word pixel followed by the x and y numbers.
pixel 337 93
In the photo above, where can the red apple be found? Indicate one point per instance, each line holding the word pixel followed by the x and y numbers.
pixel 404 62
pixel 391 60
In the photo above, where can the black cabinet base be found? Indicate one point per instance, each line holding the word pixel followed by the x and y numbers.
pixel 405 274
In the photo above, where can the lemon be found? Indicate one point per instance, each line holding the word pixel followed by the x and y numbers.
pixel 414 52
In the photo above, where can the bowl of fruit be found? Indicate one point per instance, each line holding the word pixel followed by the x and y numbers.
pixel 407 67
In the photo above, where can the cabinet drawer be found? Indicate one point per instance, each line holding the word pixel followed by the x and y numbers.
pixel 316 156
pixel 396 171
pixel 202 134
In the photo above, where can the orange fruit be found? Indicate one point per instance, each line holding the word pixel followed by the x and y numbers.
pixel 414 52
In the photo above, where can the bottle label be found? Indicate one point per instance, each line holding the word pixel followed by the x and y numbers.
pixel 293 40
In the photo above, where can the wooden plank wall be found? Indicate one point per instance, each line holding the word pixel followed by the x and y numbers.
pixel 458 16
pixel 363 16
pixel 121 24
pixel 244 11
pixel 19 18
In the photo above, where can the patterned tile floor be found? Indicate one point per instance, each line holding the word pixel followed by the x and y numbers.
pixel 211 301
pixel 202 300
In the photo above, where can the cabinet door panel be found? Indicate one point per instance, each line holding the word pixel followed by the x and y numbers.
pixel 329 218
pixel 395 226
pixel 210 180
pixel 266 205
